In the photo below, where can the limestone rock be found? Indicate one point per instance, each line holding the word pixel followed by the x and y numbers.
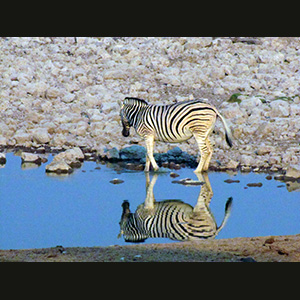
pixel 72 157
pixel 3 140
pixel 41 136
pixel 279 108
pixel 293 171
pixel 59 167
pixel 265 149
pixel 31 157
pixel 22 137
pixel 246 160
pixel 112 154
pixel 232 164
pixel 64 91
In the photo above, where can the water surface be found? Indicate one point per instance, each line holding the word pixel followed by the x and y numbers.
pixel 84 209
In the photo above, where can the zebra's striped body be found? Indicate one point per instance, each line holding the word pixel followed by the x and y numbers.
pixel 172 219
pixel 172 123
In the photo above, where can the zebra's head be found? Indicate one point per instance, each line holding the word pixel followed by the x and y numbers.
pixel 129 227
pixel 124 119
pixel 130 108
pixel 125 124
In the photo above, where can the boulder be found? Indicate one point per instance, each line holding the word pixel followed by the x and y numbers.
pixel 265 149
pixel 41 136
pixel 22 137
pixel 112 154
pixel 64 162
pixel 232 165
pixel 176 151
pixel 31 158
pixel 59 167
pixel 279 108
pixel 134 152
pixel 70 156
pixel 3 140
pixel 293 171
pixel 246 160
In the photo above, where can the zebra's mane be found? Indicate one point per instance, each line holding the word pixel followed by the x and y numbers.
pixel 129 100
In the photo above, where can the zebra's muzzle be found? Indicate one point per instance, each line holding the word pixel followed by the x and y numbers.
pixel 125 132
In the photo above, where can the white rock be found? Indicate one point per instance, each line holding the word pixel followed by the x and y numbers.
pixel 22 137
pixel 3 140
pixel 82 128
pixel 59 167
pixel 218 91
pixel 196 43
pixel 246 160
pixel 59 80
pixel 275 159
pixel 293 171
pixel 30 157
pixel 175 50
pixel 41 136
pixel 108 107
pixel 70 156
pixel 250 103
pixel 279 108
pixel 232 164
pixel 115 74
pixel 58 140
pixel 295 109
pixel 92 100
pixel 53 92
pixel 232 111
pixel 68 98
pixel 265 149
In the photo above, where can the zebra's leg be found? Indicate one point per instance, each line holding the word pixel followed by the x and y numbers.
pixel 206 191
pixel 150 200
pixel 209 155
pixel 203 152
pixel 150 146
pixel 147 165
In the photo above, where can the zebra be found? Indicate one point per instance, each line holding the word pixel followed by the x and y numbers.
pixel 172 123
pixel 173 219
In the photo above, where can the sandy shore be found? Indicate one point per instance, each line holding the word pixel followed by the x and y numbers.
pixel 257 249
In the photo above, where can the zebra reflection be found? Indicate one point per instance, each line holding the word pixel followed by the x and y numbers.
pixel 172 219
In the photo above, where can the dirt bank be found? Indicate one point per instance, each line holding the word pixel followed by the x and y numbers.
pixel 257 249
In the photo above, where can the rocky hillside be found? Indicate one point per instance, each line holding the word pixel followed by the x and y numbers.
pixel 64 92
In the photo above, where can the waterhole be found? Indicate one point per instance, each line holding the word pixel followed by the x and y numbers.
pixel 88 207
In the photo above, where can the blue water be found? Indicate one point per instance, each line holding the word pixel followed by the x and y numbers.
pixel 84 209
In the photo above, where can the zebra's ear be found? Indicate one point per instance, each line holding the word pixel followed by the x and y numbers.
pixel 120 102
pixel 120 234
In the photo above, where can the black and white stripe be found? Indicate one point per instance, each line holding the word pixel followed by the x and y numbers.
pixel 172 123
pixel 171 219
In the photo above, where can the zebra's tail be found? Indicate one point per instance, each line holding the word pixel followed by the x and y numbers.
pixel 228 134
pixel 228 206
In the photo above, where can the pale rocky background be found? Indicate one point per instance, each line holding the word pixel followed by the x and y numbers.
pixel 64 92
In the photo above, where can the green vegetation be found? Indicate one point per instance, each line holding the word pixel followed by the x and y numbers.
pixel 235 98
